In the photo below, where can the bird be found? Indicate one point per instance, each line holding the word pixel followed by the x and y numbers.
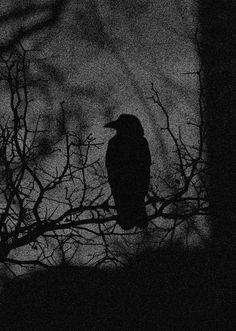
pixel 128 162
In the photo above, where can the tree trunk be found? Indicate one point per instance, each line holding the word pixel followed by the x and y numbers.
pixel 217 19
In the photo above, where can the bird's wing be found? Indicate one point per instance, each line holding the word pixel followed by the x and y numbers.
pixel 128 166
pixel 145 158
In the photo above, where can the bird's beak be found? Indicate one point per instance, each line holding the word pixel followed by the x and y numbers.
pixel 111 125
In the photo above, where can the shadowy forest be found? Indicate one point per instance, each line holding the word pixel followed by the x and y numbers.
pixel 148 278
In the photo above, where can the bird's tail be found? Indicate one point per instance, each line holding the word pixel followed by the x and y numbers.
pixel 132 216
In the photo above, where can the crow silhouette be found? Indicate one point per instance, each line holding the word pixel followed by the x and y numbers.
pixel 128 163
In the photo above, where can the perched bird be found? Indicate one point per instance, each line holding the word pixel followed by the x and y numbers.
pixel 128 163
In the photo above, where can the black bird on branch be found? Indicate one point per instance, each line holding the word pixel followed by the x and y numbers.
pixel 128 163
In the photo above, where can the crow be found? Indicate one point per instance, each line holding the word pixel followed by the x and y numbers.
pixel 128 163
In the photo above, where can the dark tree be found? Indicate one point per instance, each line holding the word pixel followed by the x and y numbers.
pixel 128 163
pixel 218 53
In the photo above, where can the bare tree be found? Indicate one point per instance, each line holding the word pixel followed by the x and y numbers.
pixel 32 212
pixel 27 185
pixel 185 195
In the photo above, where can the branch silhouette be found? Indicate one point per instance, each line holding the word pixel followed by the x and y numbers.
pixel 83 214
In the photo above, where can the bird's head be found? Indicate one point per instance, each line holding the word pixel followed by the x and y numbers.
pixel 126 124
